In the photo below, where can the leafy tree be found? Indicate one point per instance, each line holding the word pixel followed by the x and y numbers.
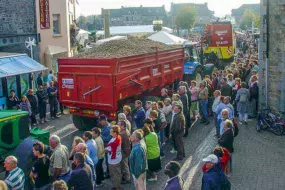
pixel 82 22
pixel 186 17
pixel 248 16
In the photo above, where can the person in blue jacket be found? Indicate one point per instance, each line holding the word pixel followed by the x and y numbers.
pixel 213 177
pixel 139 116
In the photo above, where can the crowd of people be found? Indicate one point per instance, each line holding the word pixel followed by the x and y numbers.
pixel 132 148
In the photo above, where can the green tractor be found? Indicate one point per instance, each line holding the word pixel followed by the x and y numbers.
pixel 17 138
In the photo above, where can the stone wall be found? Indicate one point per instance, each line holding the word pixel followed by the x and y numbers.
pixel 276 72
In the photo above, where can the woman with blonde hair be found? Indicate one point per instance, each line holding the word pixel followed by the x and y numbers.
pixel 3 185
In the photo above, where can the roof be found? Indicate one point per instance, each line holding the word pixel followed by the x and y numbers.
pixel 202 9
pixel 167 38
pixel 9 113
pixel 17 64
pixel 241 9
pixel 124 30
pixel 51 50
pixel 144 11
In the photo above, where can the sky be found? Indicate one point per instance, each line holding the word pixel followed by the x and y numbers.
pixel 221 7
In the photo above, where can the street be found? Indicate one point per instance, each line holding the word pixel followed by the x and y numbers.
pixel 257 159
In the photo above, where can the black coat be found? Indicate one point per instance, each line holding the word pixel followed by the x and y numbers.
pixel 253 91
pixel 33 101
pixel 227 140
pixel 184 100
pixel 42 96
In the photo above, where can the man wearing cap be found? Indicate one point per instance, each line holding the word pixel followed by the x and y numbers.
pixel 213 177
pixel 105 134
pixel 226 89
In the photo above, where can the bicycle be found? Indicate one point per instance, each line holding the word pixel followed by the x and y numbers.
pixel 271 123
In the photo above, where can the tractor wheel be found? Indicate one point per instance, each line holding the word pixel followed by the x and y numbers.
pixel 83 123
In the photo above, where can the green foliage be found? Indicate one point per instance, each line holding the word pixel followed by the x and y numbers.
pixel 248 16
pixel 186 17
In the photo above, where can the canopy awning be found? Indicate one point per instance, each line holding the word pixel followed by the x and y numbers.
pixel 18 64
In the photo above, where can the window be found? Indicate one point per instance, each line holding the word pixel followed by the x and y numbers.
pixel 56 24
pixel 7 133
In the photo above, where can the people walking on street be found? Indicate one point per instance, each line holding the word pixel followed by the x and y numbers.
pixel 139 116
pixel 242 100
pixel 153 154
pixel 81 176
pixel 16 177
pixel 91 146
pixel 213 177
pixel 177 129
pixel 138 161
pixel 126 150
pixel 13 101
pixel 53 104
pixel 105 134
pixel 253 99
pixel 42 102
pixel 40 169
pixel 34 106
pixel 114 152
pixel 203 100
pixel 59 161
pixel 100 155
pixel 175 181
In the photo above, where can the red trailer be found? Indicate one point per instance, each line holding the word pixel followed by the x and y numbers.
pixel 91 87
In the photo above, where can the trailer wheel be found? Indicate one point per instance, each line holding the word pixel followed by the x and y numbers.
pixel 83 123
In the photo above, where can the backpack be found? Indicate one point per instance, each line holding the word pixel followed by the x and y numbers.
pixel 236 130
pixel 243 98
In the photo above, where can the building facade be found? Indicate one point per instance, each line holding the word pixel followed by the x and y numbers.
pixel 204 14
pixel 272 56
pixel 131 16
pixel 238 13
pixel 17 25
pixel 55 20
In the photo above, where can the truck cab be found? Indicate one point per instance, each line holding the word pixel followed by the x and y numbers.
pixel 193 69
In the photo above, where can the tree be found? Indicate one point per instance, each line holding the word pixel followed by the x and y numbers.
pixel 248 16
pixel 186 17
pixel 82 22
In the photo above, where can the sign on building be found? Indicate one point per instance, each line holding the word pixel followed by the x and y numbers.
pixel 44 14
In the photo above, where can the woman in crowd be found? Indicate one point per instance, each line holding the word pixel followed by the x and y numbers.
pixel 113 149
pixel 242 100
pixel 25 105
pixel 153 153
pixel 194 99
pixel 127 111
pixel 123 117
pixel 76 141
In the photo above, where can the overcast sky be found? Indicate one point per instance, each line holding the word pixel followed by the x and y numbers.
pixel 221 7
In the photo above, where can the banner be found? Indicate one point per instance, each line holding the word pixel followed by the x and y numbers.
pixel 44 14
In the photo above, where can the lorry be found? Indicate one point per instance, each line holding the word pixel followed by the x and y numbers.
pixel 94 86
pixel 218 38
pixel 17 138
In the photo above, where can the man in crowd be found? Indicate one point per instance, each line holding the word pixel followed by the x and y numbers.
pixel 16 178
pixel 91 146
pixel 100 153
pixel 40 80
pixel 225 116
pixel 50 76
pixel 174 180
pixel 226 89
pixel 105 134
pixel 177 128
pixel 42 102
pixel 184 99
pixel 203 97
pixel 167 110
pixel 138 161
pixel 81 176
pixel 253 91
pixel 34 106
pixel 13 101
pixel 217 95
pixel 139 116
pixel 126 150
pixel 225 105
pixel 164 94
pixel 147 108
pixel 59 161
pixel 52 95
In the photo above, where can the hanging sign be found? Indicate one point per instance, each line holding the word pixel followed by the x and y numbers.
pixel 44 14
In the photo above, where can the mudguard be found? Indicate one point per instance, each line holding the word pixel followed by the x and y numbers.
pixel 190 67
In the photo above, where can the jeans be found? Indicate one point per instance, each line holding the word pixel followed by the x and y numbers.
pixel 53 108
pixel 242 116
pixel 204 107
pixel 42 110
pixel 160 144
pixel 99 171
pixel 107 165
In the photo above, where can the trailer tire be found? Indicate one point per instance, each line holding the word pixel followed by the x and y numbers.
pixel 83 123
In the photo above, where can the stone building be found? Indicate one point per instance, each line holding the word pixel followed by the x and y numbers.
pixel 17 24
pixel 238 13
pixel 204 14
pixel 131 16
pixel 272 55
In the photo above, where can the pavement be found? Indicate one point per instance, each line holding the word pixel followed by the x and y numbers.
pixel 258 159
